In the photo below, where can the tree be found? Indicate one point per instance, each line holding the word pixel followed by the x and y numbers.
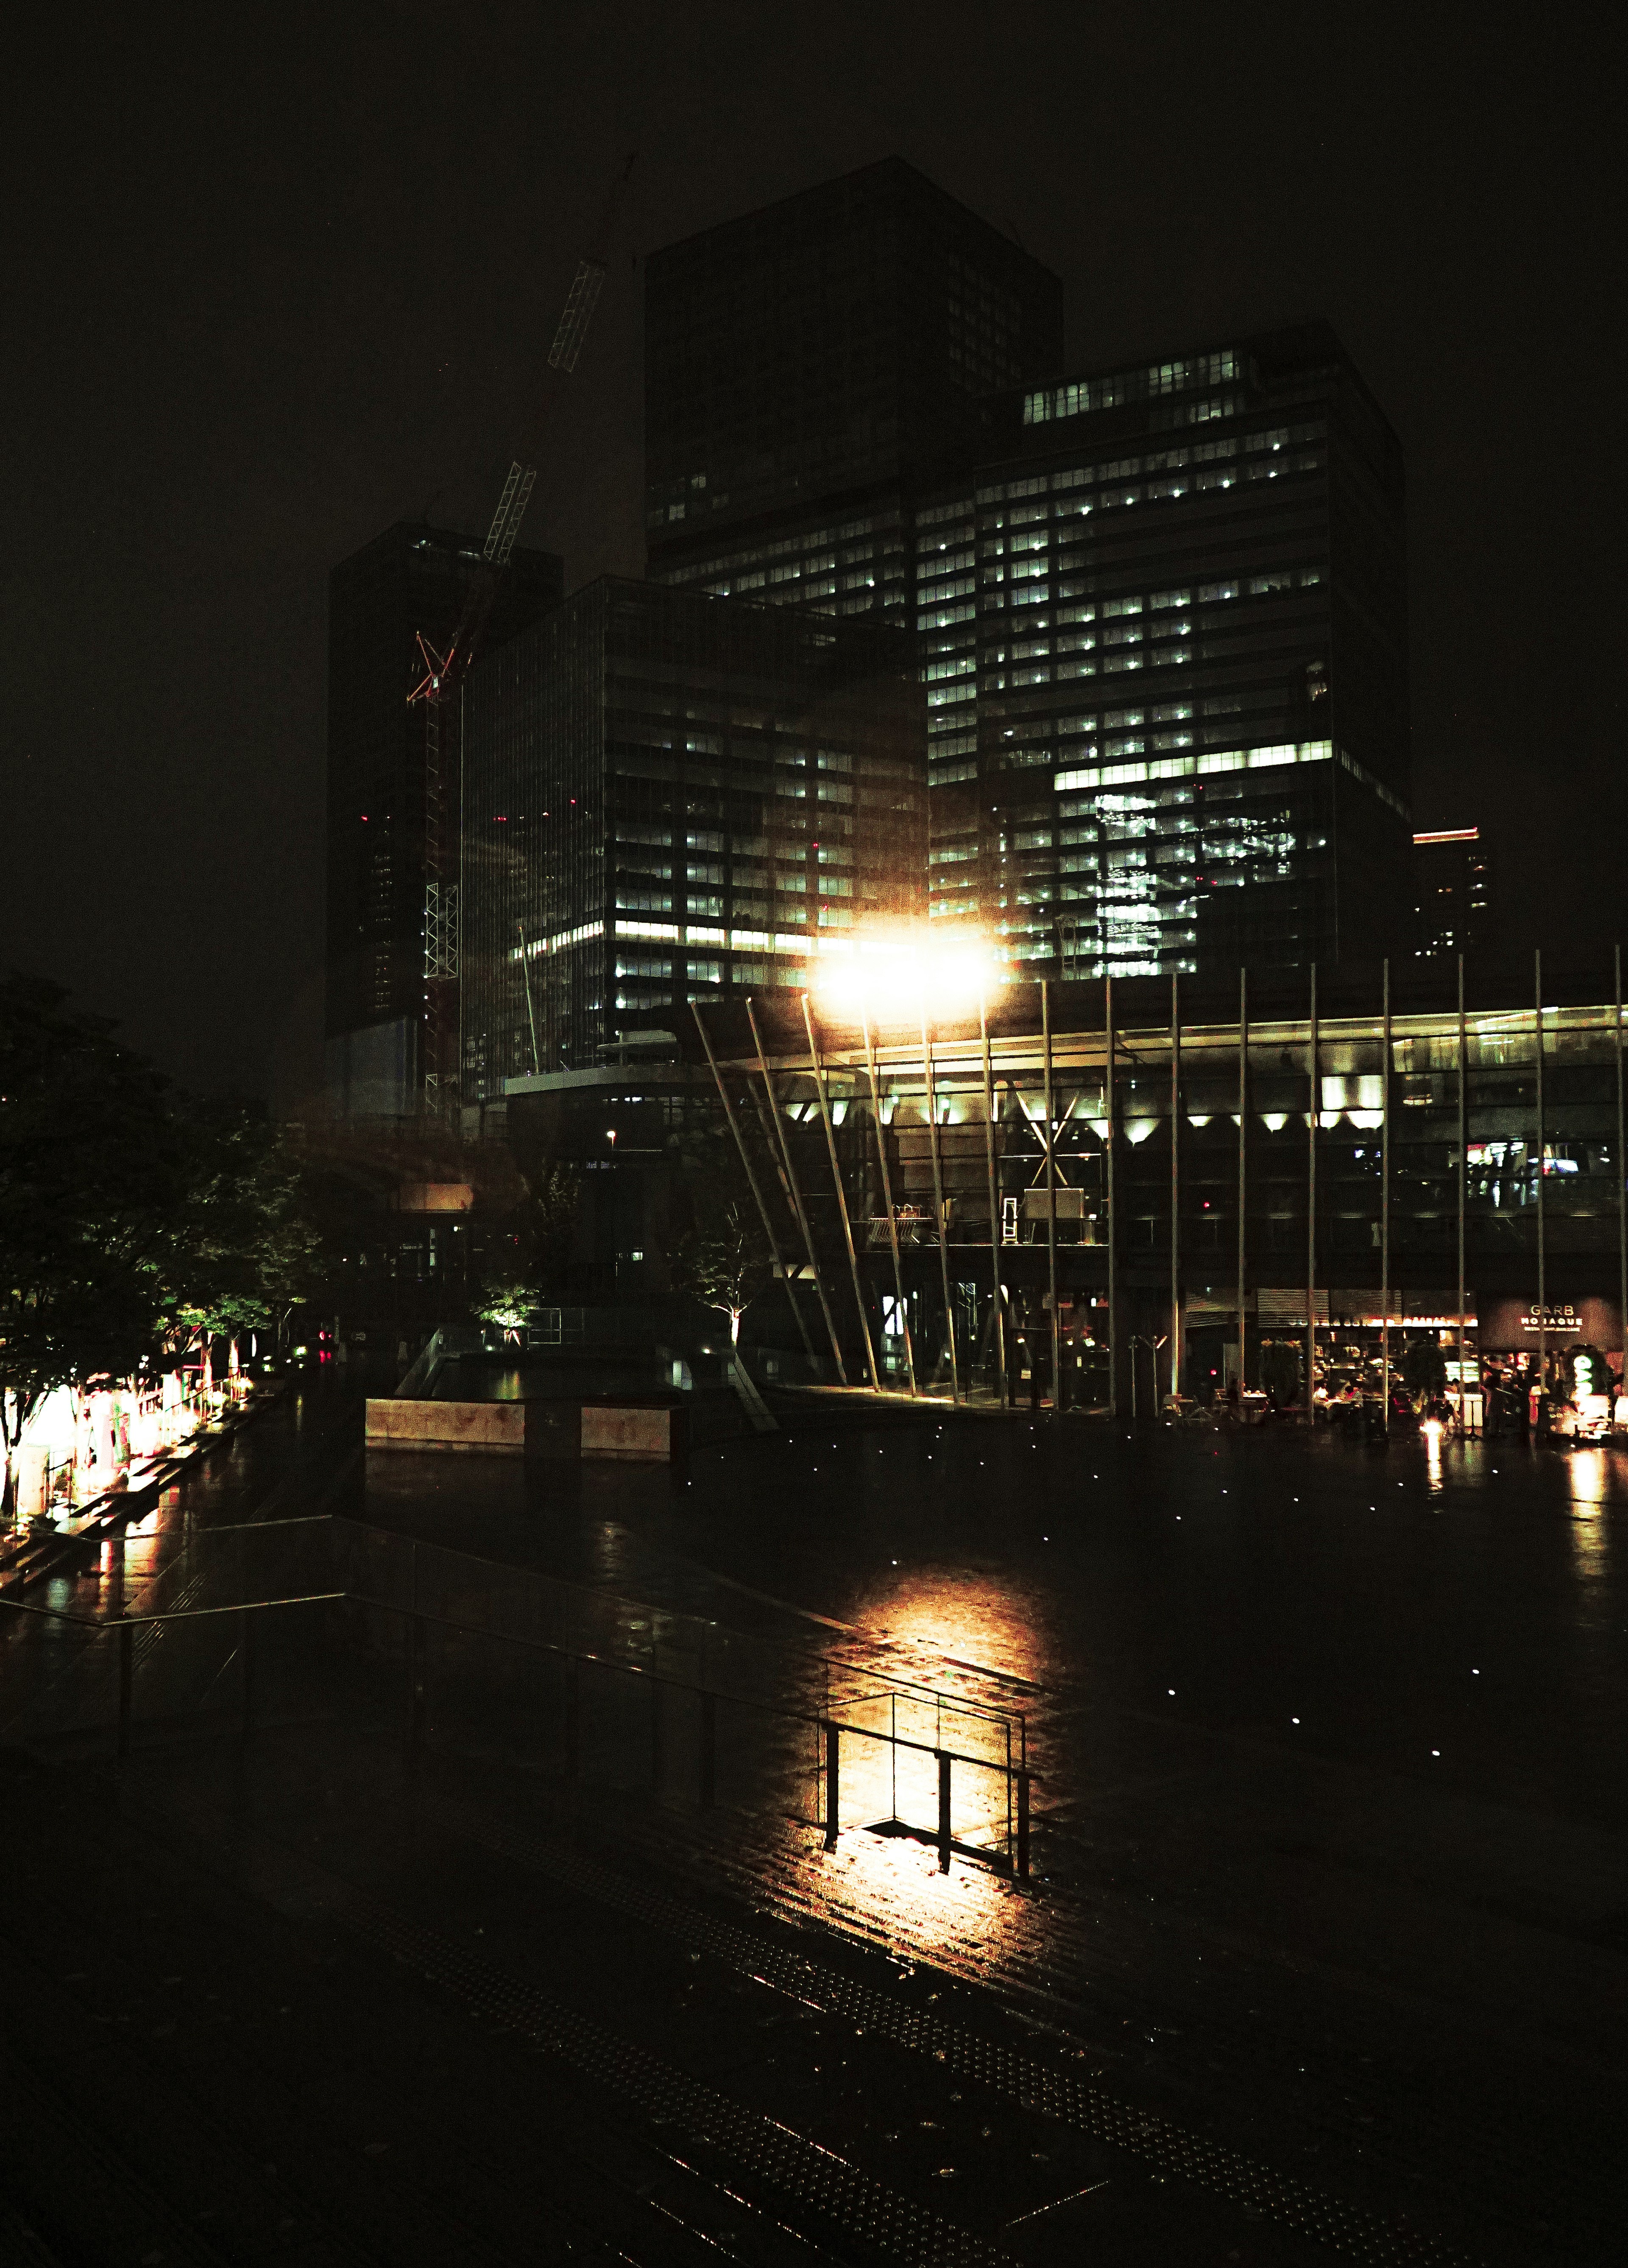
pixel 129 1214
pixel 531 1267
pixel 725 1261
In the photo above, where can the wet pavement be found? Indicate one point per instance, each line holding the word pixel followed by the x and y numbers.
pixel 1326 1952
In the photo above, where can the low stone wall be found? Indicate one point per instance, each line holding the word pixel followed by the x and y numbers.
pixel 496 1427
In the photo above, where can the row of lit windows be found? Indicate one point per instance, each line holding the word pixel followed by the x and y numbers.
pixel 1081 396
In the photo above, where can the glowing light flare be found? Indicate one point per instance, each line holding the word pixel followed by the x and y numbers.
pixel 899 976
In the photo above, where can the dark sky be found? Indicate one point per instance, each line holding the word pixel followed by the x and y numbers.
pixel 281 277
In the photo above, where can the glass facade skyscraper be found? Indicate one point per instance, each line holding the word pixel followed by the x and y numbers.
pixel 669 798
pixel 1160 614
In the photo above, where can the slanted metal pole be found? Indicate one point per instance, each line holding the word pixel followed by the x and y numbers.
pixel 943 1812
pixel 531 1013
pixel 745 1158
pixel 994 1195
pixel 887 1198
pixel 793 1191
pixel 1243 1140
pixel 1384 1210
pixel 1543 1241
pixel 1110 1145
pixel 1464 1185
pixel 1622 1181
pixel 938 1207
pixel 842 1203
pixel 1176 1191
pixel 1051 1199
pixel 1312 1117
pixel 1464 1164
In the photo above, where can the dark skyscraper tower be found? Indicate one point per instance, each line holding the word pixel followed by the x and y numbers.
pixel 413 578
pixel 800 361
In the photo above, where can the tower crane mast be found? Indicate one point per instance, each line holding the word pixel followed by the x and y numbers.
pixel 443 671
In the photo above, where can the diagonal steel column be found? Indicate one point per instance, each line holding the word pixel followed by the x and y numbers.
pixel 1312 1117
pixel 793 1191
pixel 763 1210
pixel 1622 1181
pixel 1050 1197
pixel 1464 1185
pixel 938 1204
pixel 1384 1211
pixel 1543 1237
pixel 994 1195
pixel 842 1203
pixel 1176 1184
pixel 887 1198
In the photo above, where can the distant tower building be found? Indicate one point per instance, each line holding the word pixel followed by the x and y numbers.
pixel 1452 878
pixel 669 798
pixel 1159 612
pixel 411 578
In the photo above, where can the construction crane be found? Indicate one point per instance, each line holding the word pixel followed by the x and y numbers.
pixel 442 670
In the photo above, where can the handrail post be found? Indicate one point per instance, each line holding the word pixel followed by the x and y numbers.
pixel 834 1738
pixel 246 1645
pixel 127 1664
pixel 709 1751
pixel 943 1811
pixel 1023 1824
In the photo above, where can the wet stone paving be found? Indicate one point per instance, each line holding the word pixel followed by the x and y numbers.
pixel 366 1955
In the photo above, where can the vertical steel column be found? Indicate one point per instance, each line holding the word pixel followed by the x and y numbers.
pixel 1464 1180
pixel 1312 1117
pixel 1542 1252
pixel 1622 1183
pixel 1243 1154
pixel 994 1196
pixel 938 1206
pixel 1176 1187
pixel 799 1209
pixel 1113 1205
pixel 1051 1199
pixel 833 1793
pixel 1463 1168
pixel 1384 1209
pixel 763 1210
pixel 842 1202
pixel 887 1199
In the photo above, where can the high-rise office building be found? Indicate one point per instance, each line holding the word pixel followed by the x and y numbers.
pixel 1453 892
pixel 413 578
pixel 800 364
pixel 1159 613
pixel 669 798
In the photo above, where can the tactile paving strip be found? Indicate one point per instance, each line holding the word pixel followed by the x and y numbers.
pixel 776 2155
pixel 1054 2093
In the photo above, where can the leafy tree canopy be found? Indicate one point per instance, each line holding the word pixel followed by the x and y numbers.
pixel 130 1214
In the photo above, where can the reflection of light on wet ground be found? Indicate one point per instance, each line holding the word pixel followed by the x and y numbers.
pixel 968 1618
pixel 892 1885
pixel 1433 1455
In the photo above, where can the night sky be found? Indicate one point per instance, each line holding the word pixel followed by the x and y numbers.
pixel 267 297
